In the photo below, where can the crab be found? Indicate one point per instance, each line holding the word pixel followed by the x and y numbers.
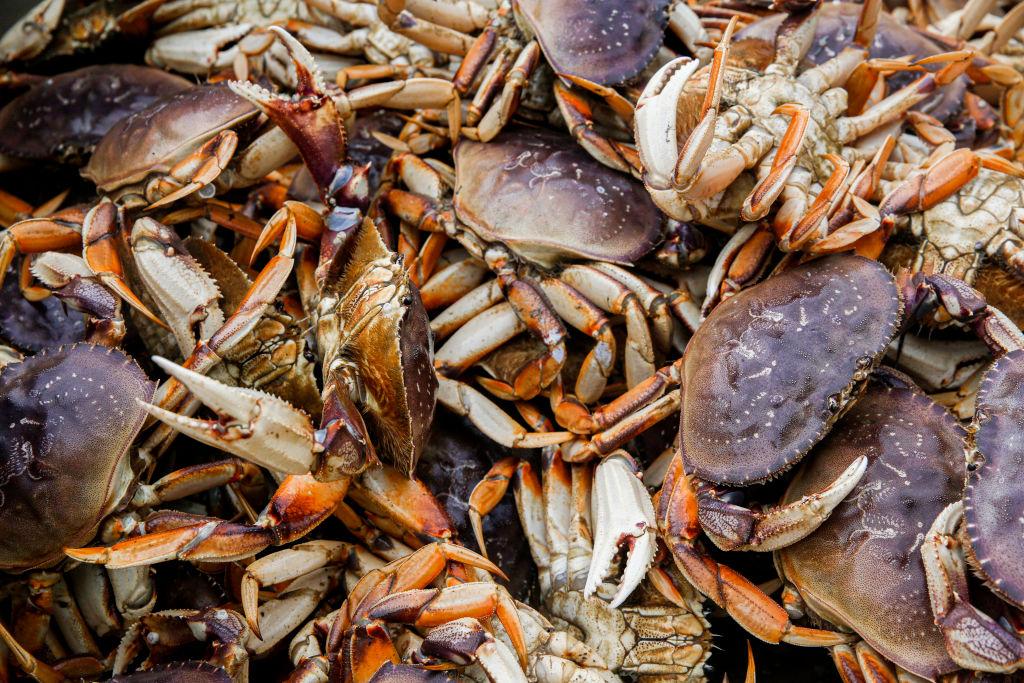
pixel 202 37
pixel 533 264
pixel 85 472
pixel 584 47
pixel 62 118
pixel 964 217
pixel 969 116
pixel 796 129
pixel 649 639
pixel 860 570
pixel 743 440
pixel 973 532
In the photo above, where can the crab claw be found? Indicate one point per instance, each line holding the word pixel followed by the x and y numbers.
pixel 655 121
pixel 463 642
pixel 623 518
pixel 310 119
pixel 435 606
pixel 250 424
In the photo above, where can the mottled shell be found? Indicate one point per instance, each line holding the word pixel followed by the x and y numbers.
pixel 994 507
pixel 393 351
pixel 546 198
pixel 603 42
pixel 63 118
pixel 862 568
pixel 70 416
pixel 837 23
pixel 154 139
pixel 179 672
pixel 771 368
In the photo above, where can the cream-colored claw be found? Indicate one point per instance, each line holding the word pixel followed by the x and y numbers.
pixel 251 424
pixel 623 518
pixel 655 121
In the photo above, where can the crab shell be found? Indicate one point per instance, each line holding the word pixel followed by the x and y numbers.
pixel 771 369
pixel 154 139
pixel 548 200
pixel 862 568
pixel 994 509
pixel 607 42
pixel 179 672
pixel 393 352
pixel 36 325
pixel 63 118
pixel 836 25
pixel 70 416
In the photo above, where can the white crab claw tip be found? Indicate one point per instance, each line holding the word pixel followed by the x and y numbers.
pixel 224 400
pixel 623 516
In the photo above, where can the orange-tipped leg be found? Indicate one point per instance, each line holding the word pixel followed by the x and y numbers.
pixel 489 493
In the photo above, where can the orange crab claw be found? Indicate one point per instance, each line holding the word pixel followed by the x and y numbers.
pixel 488 493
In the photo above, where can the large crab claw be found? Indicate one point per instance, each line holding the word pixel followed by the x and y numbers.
pixel 426 607
pixel 250 424
pixel 655 121
pixel 623 519
pixel 310 119
pixel 463 642
pixel 974 640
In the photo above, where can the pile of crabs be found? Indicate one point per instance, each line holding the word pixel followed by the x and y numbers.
pixel 503 340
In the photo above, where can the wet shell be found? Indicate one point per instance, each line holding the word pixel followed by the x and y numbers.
pixel 862 568
pixel 548 199
pixel 70 415
pixel 994 508
pixel 771 368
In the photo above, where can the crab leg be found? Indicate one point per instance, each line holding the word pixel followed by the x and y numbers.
pixel 973 639
pixel 500 112
pixel 813 223
pixel 579 117
pixel 37 669
pixel 677 514
pixel 465 641
pixel 299 504
pixel 433 607
pixel 488 493
pixel 404 500
pixel 862 662
pixel 732 527
pixel 464 400
pixel 474 303
pixel 452 283
pixel 759 201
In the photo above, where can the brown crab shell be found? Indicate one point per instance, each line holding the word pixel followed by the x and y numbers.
pixel 62 118
pixel 548 200
pixel 771 368
pixel 862 568
pixel 603 42
pixel 393 352
pixel 993 506
pixel 70 416
pixel 154 139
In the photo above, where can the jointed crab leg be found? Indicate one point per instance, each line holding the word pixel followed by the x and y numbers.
pixel 677 513
pixel 298 505
pixel 973 639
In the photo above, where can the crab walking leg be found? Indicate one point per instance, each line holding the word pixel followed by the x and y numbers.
pixel 611 295
pixel 37 669
pixel 770 185
pixel 487 494
pixel 813 222
pixel 464 400
pixel 426 607
pixel 465 309
pixel 58 232
pixel 579 117
pixel 299 505
pixel 732 527
pixel 655 303
pixel 677 516
pixel 452 283
pixel 500 112
pixel 973 639
pixel 862 662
